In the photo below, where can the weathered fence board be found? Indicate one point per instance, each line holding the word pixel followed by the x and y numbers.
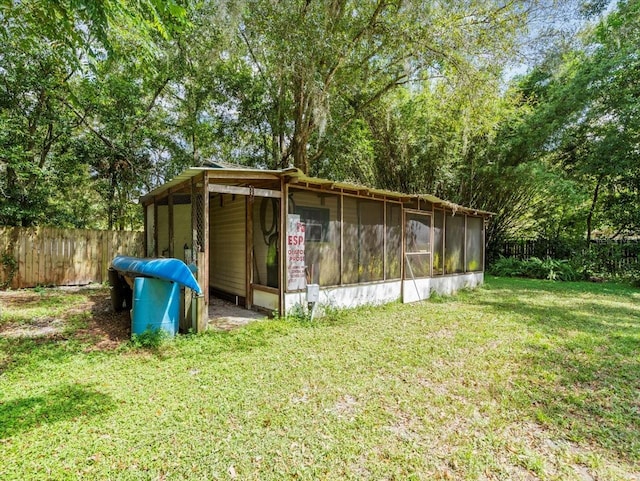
pixel 49 256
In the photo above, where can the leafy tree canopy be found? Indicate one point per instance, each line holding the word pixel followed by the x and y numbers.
pixel 103 100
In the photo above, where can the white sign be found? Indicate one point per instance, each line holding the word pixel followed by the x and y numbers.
pixel 296 274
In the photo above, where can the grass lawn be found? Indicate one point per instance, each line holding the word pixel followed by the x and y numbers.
pixel 521 379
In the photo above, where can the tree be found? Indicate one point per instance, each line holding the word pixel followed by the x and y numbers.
pixel 48 48
pixel 586 121
pixel 68 22
pixel 33 120
pixel 325 63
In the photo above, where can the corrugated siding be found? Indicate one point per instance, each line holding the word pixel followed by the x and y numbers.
pixel 149 230
pixel 228 244
pixel 182 229
pixel 163 230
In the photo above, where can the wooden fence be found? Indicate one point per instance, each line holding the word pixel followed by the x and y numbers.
pixel 47 256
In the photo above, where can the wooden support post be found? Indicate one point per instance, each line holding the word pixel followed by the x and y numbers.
pixel 186 319
pixel 464 247
pixel 402 259
pixel 444 242
pixel 171 231
pixel 384 240
pixel 155 228
pixel 196 302
pixel 484 243
pixel 205 237
pixel 249 200
pixel 432 238
pixel 194 223
pixel 341 260
pixel 145 250
pixel 202 306
pixel 282 255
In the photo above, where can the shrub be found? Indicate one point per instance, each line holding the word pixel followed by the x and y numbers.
pixel 9 265
pixel 601 258
pixel 150 339
pixel 551 269
pixel 633 275
pixel 507 267
pixel 535 268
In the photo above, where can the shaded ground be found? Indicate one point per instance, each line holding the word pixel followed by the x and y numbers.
pixel 82 312
pixel 225 316
pixel 86 313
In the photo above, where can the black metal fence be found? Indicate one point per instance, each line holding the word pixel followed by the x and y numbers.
pixel 600 255
pixel 541 248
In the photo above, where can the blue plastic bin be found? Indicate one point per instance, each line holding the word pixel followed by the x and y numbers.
pixel 156 305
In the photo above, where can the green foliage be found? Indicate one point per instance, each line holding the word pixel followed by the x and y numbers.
pixel 551 269
pixel 329 313
pixel 534 268
pixel 102 101
pixel 325 313
pixel 632 275
pixel 150 339
pixel 608 260
pixel 69 23
pixel 583 126
pixel 58 143
pixel 327 66
pixel 9 266
pixel 598 260
pixel 507 267
pixel 299 313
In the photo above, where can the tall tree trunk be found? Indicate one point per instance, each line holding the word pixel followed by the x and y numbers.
pixel 280 147
pixel 111 201
pixel 195 156
pixel 299 150
pixel 594 201
pixel 302 125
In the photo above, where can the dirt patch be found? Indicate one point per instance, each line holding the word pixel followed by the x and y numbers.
pixel 98 325
pixel 39 327
pixel 106 328
pixel 86 313
pixel 225 316
pixel 23 297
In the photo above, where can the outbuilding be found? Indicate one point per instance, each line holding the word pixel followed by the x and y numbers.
pixel 260 237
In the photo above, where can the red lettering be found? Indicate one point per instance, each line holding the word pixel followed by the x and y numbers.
pixel 295 240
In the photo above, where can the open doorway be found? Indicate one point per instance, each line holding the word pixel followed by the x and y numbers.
pixel 228 247
pixel 244 243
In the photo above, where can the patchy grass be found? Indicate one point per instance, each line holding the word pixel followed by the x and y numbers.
pixel 521 379
pixel 30 307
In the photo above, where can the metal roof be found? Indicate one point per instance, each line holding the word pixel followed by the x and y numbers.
pixel 387 193
pixel 245 173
